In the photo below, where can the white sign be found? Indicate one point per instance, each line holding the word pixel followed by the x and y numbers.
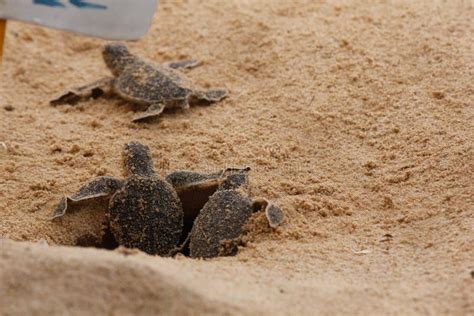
pixel 109 19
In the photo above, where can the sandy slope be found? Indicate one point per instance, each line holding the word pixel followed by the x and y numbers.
pixel 356 118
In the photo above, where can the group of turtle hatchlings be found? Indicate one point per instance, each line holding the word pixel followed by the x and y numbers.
pixel 199 214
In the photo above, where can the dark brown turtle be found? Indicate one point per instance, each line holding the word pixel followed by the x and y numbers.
pixel 155 214
pixel 154 87
pixel 219 223
pixel 144 210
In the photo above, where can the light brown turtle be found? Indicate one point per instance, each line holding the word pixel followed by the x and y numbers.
pixel 153 87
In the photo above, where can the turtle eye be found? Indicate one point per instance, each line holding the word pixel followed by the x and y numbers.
pixel 97 93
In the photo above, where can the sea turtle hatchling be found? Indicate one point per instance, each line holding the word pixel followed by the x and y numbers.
pixel 153 87
pixel 204 212
pixel 218 224
pixel 152 202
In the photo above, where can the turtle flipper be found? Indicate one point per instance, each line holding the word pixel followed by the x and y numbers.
pixel 152 111
pixel 183 64
pixel 99 187
pixel 273 213
pixel 230 247
pixel 194 190
pixel 212 95
pixel 93 90
pixel 180 248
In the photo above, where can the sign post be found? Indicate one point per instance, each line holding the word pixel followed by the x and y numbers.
pixel 3 26
pixel 108 19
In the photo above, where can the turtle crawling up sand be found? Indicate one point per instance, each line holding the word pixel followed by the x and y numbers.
pixel 153 87
pixel 205 213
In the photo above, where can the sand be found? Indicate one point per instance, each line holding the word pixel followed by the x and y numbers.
pixel 357 119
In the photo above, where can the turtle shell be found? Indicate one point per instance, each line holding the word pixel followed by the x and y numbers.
pixel 146 214
pixel 220 221
pixel 144 83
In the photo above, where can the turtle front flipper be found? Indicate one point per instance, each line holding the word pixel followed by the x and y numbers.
pixel 152 111
pixel 230 247
pixel 183 64
pixel 212 95
pixel 273 213
pixel 93 90
pixel 194 190
pixel 99 187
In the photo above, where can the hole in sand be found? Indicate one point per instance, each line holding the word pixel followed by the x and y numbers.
pixel 107 241
pixel 192 201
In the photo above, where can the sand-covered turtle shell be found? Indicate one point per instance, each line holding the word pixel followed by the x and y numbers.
pixel 146 214
pixel 141 82
pixel 219 222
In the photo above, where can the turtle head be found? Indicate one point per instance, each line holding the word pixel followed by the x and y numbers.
pixel 116 57
pixel 235 178
pixel 137 159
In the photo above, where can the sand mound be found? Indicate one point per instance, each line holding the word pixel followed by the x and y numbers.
pixel 55 280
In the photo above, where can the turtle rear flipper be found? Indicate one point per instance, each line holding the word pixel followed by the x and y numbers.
pixel 152 111
pixel 212 95
pixel 184 64
pixel 99 187
pixel 93 90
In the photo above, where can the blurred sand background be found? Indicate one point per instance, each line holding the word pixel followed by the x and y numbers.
pixel 356 118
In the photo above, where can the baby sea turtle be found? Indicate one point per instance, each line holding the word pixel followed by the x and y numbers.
pixel 144 210
pixel 154 87
pixel 155 214
pixel 219 224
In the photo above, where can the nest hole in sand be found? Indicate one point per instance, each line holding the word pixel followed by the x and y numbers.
pixel 192 205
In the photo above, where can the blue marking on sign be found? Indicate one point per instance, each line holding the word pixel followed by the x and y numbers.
pixel 49 3
pixel 81 4
pixel 87 5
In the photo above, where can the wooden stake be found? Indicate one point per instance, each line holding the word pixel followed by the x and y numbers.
pixel 3 26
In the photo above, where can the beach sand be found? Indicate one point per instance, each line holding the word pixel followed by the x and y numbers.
pixel 356 118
